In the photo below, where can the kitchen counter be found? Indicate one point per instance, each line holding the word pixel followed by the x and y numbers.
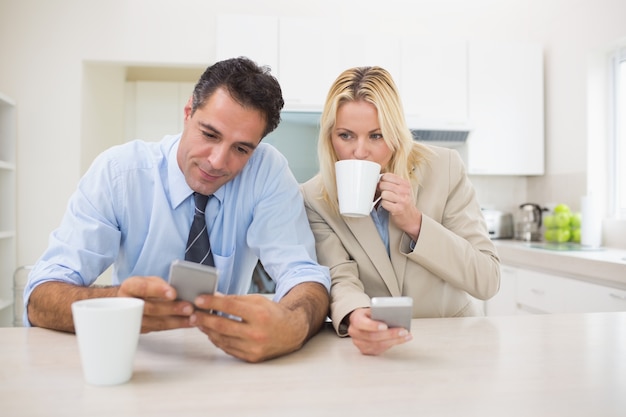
pixel 530 365
pixel 602 265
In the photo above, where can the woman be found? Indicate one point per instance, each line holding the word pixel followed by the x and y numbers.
pixel 426 238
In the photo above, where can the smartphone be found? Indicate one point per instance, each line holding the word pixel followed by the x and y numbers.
pixel 191 279
pixel 394 311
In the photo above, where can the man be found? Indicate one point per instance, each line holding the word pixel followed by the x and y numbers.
pixel 135 205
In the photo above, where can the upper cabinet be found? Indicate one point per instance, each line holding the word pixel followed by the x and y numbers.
pixel 255 37
pixel 506 109
pixel 357 50
pixel 307 59
pixel 302 53
pixel 434 81
pixel 493 88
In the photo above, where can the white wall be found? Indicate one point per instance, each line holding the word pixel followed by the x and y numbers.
pixel 46 45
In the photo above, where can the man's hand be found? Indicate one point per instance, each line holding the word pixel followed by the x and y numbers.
pixel 50 303
pixel 373 337
pixel 160 311
pixel 266 329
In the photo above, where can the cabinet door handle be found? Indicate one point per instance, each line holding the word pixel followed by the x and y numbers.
pixel 617 296
pixel 537 291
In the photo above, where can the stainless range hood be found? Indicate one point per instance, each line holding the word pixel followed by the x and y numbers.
pixel 439 133
pixel 445 138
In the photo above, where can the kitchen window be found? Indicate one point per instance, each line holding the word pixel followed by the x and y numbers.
pixel 617 140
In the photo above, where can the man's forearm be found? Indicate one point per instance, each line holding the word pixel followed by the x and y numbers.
pixel 312 300
pixel 50 303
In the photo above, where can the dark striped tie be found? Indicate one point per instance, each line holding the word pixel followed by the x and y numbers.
pixel 198 247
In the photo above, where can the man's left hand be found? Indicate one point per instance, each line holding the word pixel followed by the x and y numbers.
pixel 266 329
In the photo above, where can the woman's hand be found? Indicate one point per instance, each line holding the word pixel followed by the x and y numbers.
pixel 373 337
pixel 397 199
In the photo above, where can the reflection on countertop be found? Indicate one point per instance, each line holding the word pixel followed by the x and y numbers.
pixel 565 246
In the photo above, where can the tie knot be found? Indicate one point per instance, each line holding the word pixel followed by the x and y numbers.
pixel 200 200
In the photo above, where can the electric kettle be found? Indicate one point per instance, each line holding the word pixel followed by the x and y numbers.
pixel 528 222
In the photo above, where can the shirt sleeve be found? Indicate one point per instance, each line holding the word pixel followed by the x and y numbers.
pixel 87 240
pixel 280 231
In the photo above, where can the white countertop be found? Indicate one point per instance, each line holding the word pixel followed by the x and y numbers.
pixel 554 365
pixel 603 265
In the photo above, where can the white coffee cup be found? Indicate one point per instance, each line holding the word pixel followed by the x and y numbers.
pixel 356 186
pixel 107 330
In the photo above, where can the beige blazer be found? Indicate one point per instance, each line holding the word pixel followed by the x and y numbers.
pixel 452 259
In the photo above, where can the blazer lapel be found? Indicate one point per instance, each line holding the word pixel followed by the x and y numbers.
pixel 366 233
pixel 398 259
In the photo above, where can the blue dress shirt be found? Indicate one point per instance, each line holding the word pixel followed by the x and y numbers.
pixel 381 220
pixel 133 209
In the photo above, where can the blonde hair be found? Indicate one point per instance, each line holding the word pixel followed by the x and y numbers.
pixel 373 85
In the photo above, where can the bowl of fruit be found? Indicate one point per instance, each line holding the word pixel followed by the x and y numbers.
pixel 562 225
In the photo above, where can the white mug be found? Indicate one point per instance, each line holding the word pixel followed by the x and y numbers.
pixel 356 186
pixel 107 330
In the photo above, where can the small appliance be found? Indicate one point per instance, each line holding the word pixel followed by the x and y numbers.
pixel 499 224
pixel 528 222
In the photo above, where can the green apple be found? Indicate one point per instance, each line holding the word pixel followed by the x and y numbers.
pixel 548 221
pixel 562 219
pixel 562 208
pixel 562 235
pixel 575 235
pixel 577 219
pixel 549 235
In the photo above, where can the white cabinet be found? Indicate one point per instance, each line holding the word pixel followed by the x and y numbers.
pixel 494 88
pixel 582 297
pixel 7 208
pixel 255 37
pixel 366 50
pixel 303 53
pixel 540 293
pixel 504 303
pixel 528 291
pixel 434 81
pixel 506 109
pixel 307 61
pixel 549 293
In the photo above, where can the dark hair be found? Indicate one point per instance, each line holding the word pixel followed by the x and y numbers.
pixel 250 85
